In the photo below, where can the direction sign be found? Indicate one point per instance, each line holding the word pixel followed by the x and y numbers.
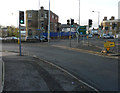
pixel 82 29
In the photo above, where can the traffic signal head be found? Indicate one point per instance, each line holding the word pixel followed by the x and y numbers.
pixel 90 22
pixel 68 22
pixel 72 21
pixel 21 17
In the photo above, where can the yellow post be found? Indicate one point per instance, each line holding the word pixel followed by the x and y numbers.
pixel 18 41
pixel 87 37
pixel 69 37
pixel 98 37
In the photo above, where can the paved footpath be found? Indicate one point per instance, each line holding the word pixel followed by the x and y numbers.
pixel 25 73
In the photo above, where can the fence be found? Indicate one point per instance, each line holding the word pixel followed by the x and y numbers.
pixel 59 34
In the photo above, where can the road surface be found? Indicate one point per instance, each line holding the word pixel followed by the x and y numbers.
pixel 98 71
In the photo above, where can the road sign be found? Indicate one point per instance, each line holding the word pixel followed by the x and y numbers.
pixel 108 44
pixel 82 29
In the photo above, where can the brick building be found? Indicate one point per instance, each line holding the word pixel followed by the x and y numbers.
pixel 111 26
pixel 37 22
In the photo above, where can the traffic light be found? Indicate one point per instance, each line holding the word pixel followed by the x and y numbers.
pixel 68 22
pixel 21 17
pixel 72 21
pixel 90 22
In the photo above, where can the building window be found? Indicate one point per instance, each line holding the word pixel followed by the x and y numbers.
pixel 110 28
pixel 52 16
pixel 29 15
pixel 45 15
pixel 56 18
pixel 29 23
pixel 42 15
pixel 29 32
pixel 110 23
pixel 42 24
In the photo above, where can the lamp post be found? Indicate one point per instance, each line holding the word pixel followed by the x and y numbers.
pixel 49 24
pixel 79 12
pixel 39 18
pixel 98 16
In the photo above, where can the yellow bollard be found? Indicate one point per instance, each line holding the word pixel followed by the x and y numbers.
pixel 69 37
pixel 98 37
pixel 18 41
pixel 87 37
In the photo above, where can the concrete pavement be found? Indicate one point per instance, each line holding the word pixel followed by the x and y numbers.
pixel 25 73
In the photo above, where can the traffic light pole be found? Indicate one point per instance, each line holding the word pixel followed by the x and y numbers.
pixel 88 35
pixel 20 39
pixel 70 36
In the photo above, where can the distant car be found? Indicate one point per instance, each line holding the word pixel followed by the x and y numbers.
pixel 90 35
pixel 1 38
pixel 36 37
pixel 28 38
pixel 105 36
pixel 111 36
pixel 43 39
pixel 14 38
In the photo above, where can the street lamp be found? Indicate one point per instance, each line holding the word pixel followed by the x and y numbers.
pixel 98 16
pixel 49 24
pixel 79 12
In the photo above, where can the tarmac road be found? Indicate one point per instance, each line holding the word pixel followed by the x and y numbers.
pixel 98 71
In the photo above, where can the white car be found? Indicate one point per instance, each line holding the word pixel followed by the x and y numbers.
pixel 90 35
pixel 105 36
pixel 14 38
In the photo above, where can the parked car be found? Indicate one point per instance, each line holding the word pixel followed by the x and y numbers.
pixel 43 38
pixel 28 38
pixel 105 36
pixel 111 36
pixel 90 35
pixel 1 38
pixel 36 37
pixel 14 38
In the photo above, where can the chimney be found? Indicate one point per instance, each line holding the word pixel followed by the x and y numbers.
pixel 42 8
pixel 105 18
pixel 112 18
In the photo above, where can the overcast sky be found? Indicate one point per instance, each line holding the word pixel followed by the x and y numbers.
pixel 65 9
